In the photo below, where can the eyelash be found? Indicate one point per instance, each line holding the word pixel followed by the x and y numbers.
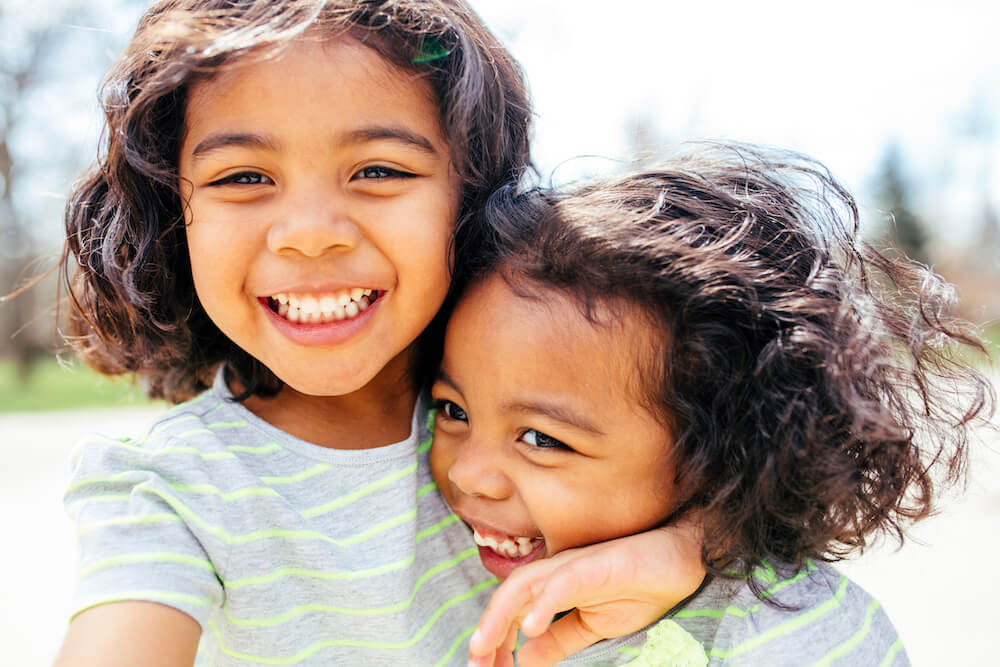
pixel 382 173
pixel 375 172
pixel 540 437
pixel 234 179
pixel 447 409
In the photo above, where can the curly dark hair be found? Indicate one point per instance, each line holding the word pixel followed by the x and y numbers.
pixel 133 307
pixel 809 381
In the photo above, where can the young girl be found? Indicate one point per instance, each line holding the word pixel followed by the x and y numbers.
pixel 706 340
pixel 267 236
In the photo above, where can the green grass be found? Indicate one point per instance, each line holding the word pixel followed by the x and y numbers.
pixel 992 335
pixel 53 387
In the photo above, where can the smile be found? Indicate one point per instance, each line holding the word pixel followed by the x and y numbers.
pixel 508 546
pixel 343 304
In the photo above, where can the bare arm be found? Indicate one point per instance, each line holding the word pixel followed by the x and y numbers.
pixel 614 588
pixel 125 634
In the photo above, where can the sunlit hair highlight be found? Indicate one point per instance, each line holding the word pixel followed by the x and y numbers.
pixel 809 381
pixel 133 307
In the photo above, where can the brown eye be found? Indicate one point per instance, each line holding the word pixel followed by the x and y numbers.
pixel 452 411
pixel 379 172
pixel 542 441
pixel 244 178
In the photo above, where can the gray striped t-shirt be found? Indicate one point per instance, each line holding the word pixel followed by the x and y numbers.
pixel 283 551
pixel 829 620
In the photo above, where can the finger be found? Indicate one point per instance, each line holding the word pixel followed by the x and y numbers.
pixel 508 605
pixel 505 654
pixel 577 581
pixel 498 658
pixel 563 638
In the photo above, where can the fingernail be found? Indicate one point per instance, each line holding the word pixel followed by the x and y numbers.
pixel 474 639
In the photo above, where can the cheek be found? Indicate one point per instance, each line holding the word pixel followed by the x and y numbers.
pixel 442 455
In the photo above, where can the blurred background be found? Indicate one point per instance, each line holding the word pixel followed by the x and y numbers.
pixel 900 99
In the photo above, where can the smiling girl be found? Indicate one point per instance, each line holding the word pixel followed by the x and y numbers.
pixel 706 340
pixel 268 232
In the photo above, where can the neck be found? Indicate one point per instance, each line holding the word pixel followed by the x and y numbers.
pixel 378 414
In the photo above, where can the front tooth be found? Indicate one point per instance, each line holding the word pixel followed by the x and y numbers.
pixel 294 301
pixel 309 305
pixel 327 304
pixel 315 317
pixel 479 539
pixel 356 293
pixel 293 313
pixel 344 298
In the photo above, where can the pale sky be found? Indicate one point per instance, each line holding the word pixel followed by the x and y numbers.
pixel 835 80
pixel 838 81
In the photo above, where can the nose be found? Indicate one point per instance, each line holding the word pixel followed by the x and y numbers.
pixel 479 471
pixel 313 221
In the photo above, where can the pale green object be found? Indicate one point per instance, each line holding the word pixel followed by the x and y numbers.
pixel 670 645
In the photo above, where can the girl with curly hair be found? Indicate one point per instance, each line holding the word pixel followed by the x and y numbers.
pixel 710 341
pixel 266 239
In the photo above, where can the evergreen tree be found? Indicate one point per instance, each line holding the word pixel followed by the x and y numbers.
pixel 906 232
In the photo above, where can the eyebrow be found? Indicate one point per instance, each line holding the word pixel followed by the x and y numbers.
pixel 555 411
pixel 391 133
pixel 214 142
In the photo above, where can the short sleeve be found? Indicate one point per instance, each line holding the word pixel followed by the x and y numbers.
pixel 136 539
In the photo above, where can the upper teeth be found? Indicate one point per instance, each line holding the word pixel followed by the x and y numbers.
pixel 311 308
pixel 509 547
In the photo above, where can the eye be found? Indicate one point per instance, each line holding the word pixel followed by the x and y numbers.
pixel 379 172
pixel 542 441
pixel 244 178
pixel 452 411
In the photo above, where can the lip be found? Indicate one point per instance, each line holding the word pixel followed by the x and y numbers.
pixel 501 566
pixel 496 564
pixel 321 333
pixel 318 288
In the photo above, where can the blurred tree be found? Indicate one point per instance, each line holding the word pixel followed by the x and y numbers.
pixel 19 70
pixel 51 55
pixel 905 232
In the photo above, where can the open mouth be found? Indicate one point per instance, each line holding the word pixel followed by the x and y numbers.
pixel 508 546
pixel 343 304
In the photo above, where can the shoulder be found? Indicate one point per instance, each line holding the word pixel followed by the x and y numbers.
pixel 183 437
pixel 820 617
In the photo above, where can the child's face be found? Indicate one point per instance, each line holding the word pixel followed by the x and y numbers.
pixel 538 433
pixel 321 200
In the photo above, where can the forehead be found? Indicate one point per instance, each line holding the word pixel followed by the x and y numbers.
pixel 543 338
pixel 315 82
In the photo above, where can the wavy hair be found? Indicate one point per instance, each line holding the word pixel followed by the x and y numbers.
pixel 125 265
pixel 809 381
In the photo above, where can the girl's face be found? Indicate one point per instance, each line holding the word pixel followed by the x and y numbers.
pixel 320 203
pixel 539 442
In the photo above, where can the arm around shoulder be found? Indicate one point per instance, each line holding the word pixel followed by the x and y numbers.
pixel 124 634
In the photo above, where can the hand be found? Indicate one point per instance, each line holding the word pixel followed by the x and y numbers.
pixel 613 588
